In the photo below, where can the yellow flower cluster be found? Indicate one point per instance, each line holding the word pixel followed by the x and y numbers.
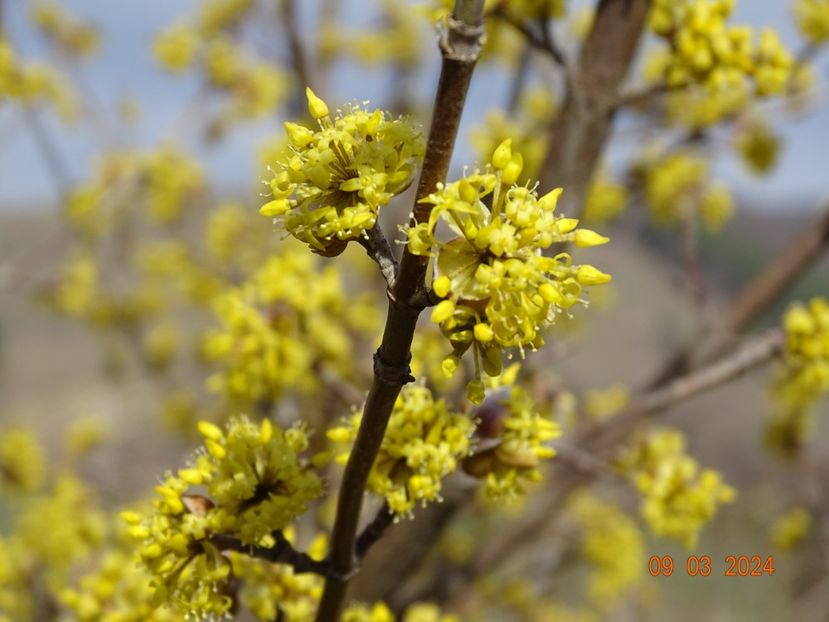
pixel 517 435
pixel 16 565
pixel 160 344
pixel 758 146
pixel 678 498
pixel 33 83
pixel 75 293
pixel 791 528
pixel 68 33
pixel 255 87
pixel 78 293
pixel 606 199
pixel 807 350
pixel 813 19
pixel 217 15
pixel 423 443
pixel 329 186
pixel 281 325
pixel 604 403
pixel 47 535
pixel 705 50
pixel 256 482
pixel 804 376
pixel 696 108
pixel 22 463
pixel 398 40
pixel 275 591
pixel 678 187
pixel 172 178
pixel 499 290
pixel 168 179
pixel 116 590
pixel 176 47
pixel 171 262
pixel 48 530
pixel 233 238
pixel 612 545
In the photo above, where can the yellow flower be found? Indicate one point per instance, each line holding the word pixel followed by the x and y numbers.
pixel 256 483
pixel 804 374
pixel 678 498
pixel 705 50
pixel 175 48
pixel 612 545
pixel 329 186
pixel 813 19
pixel 22 463
pixel 500 290
pixel 521 434
pixel 423 444
pixel 791 528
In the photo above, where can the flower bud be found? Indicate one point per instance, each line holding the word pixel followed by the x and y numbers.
pixel 443 311
pixel 442 285
pixel 513 170
pixel 298 135
pixel 586 237
pixel 588 275
pixel 502 155
pixel 316 106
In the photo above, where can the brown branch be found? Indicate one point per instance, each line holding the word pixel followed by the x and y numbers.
pixel 281 553
pixel 374 531
pixel 638 96
pixel 460 45
pixel 52 158
pixel 779 274
pixel 379 249
pixel 519 79
pixel 292 31
pixel 542 41
pixel 579 133
pixel 602 439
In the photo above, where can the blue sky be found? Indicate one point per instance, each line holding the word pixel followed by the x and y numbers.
pixel 125 68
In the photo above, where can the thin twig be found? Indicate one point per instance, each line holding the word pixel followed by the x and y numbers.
pixel 519 79
pixel 281 553
pixel 52 158
pixel 292 32
pixel 374 531
pixel 602 439
pixel 587 457
pixel 379 249
pixel 637 96
pixel 460 45
pixel 542 41
pixel 780 273
pixel 545 25
pixel 757 352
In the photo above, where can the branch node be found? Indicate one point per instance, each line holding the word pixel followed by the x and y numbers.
pixel 460 41
pixel 392 375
